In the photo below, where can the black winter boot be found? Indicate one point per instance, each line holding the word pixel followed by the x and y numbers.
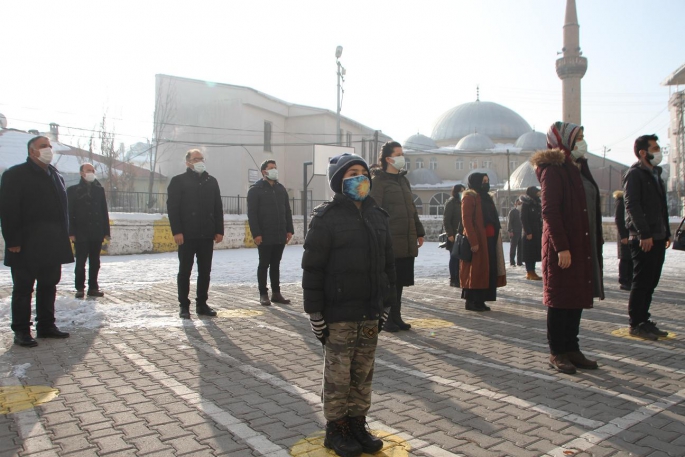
pixel 370 444
pixel 202 309
pixel 184 313
pixel 339 438
pixel 396 315
pixel 390 326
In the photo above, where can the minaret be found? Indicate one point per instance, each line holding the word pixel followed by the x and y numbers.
pixel 572 66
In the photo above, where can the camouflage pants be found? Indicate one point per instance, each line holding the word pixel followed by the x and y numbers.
pixel 349 355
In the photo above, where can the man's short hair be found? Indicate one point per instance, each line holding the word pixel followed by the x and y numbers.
pixel 266 163
pixel 84 164
pixel 642 143
pixel 32 140
pixel 190 152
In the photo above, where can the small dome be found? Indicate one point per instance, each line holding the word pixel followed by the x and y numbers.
pixel 420 142
pixel 475 142
pixel 3 122
pixel 523 177
pixel 423 176
pixel 532 141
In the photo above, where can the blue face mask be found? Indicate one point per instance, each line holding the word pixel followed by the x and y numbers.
pixel 356 187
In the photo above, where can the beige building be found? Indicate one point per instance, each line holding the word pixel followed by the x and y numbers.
pixel 676 135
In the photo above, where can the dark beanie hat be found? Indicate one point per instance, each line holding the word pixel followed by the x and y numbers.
pixel 338 165
pixel 532 191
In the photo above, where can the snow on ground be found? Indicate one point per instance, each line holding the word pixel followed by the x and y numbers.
pixel 230 267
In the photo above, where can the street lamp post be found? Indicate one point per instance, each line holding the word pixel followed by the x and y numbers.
pixel 341 73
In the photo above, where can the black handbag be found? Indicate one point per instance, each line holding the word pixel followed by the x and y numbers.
pixel 462 248
pixel 679 238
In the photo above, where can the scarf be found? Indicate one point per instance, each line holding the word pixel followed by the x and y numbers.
pixel 562 135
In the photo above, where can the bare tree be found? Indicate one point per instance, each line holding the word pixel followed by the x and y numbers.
pixel 163 117
pixel 118 171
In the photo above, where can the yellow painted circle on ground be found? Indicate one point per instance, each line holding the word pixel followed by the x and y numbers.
pixel 19 398
pixel 238 313
pixel 625 333
pixel 312 446
pixel 430 323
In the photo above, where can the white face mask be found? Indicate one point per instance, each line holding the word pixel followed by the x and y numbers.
pixel 656 159
pixel 45 155
pixel 89 177
pixel 580 150
pixel 272 174
pixel 199 167
pixel 399 162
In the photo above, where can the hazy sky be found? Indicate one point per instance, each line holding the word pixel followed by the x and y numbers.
pixel 407 61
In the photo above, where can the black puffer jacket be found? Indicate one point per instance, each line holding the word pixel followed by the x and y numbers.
pixel 348 262
pixel 531 220
pixel 194 206
pixel 268 212
pixel 88 215
pixel 645 199
pixel 33 214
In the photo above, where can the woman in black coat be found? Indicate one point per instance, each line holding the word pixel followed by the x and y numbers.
pixel 452 222
pixel 625 262
pixel 531 219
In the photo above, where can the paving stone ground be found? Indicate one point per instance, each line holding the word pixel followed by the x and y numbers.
pixel 459 383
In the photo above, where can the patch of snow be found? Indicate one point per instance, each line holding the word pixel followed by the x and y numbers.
pixel 19 371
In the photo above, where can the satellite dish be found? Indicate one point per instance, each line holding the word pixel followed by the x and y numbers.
pixel 3 121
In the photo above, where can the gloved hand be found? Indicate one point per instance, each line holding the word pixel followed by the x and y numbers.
pixel 319 327
pixel 383 319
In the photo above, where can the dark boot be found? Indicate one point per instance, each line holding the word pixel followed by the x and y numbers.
pixel 562 363
pixel 204 310
pixel 95 293
pixel 390 326
pixel 579 360
pixel 370 444
pixel 264 300
pixel 396 315
pixel 472 306
pixel 52 332
pixel 184 313
pixel 24 339
pixel 340 439
pixel 276 297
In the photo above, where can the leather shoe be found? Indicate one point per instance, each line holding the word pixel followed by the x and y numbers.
pixel 52 332
pixel 184 313
pixel 204 310
pixel 578 359
pixel 276 297
pixel 25 339
pixel 95 293
pixel 562 363
pixel 264 300
pixel 79 294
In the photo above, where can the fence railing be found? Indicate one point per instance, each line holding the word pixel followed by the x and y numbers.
pixel 143 202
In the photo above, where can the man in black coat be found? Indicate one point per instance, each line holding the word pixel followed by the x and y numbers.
pixel 271 224
pixel 196 217
pixel 650 234
pixel 88 229
pixel 35 226
pixel 514 227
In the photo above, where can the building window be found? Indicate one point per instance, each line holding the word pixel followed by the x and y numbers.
pixel 418 203
pixel 267 136
pixel 348 139
pixel 459 164
pixel 419 163
pixel 473 165
pixel 437 204
pixel 513 164
pixel 407 163
pixel 433 163
pixel 487 163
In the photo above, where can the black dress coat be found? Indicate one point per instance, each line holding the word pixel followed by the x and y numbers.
pixel 88 215
pixel 531 220
pixel 269 213
pixel 33 214
pixel 194 206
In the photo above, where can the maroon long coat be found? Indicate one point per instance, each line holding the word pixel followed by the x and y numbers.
pixel 566 227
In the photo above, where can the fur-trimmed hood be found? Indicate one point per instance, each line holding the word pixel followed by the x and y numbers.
pixel 548 157
pixel 618 194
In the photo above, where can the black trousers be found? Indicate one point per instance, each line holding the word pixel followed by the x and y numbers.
pixel 46 279
pixel 530 266
pixel 515 247
pixel 203 249
pixel 625 272
pixel 646 274
pixel 88 249
pixel 269 260
pixel 454 269
pixel 563 326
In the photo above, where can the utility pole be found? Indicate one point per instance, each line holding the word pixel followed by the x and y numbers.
pixel 611 200
pixel 508 185
pixel 341 73
pixel 604 161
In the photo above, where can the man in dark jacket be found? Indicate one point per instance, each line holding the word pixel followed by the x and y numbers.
pixel 531 221
pixel 514 227
pixel 197 222
pixel 35 226
pixel 625 260
pixel 88 228
pixel 650 235
pixel 271 225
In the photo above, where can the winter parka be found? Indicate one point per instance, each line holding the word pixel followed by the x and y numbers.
pixel 392 192
pixel 566 227
pixel 531 220
pixel 194 206
pixel 476 273
pixel 34 216
pixel 452 217
pixel 88 215
pixel 645 199
pixel 620 220
pixel 348 263
pixel 268 212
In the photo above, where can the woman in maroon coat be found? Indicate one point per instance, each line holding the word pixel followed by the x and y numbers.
pixel 571 242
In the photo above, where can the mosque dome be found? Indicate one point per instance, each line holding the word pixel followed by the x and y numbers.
pixel 532 141
pixel 523 177
pixel 475 142
pixel 3 122
pixel 491 119
pixel 420 142
pixel 423 176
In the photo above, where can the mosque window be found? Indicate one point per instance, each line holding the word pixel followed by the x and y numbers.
pixel 419 163
pixel 267 136
pixel 473 165
pixel 487 163
pixel 418 203
pixel 513 164
pixel 437 204
pixel 407 163
pixel 433 163
pixel 459 164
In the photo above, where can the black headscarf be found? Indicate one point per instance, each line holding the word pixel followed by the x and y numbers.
pixel 490 215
